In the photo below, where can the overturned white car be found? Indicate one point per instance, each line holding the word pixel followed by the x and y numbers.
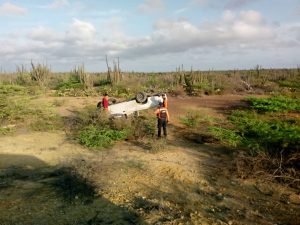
pixel 142 101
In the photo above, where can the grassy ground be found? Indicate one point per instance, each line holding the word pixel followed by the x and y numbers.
pixel 48 177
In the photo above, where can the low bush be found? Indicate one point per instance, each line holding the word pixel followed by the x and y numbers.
pixel 11 90
pixel 119 91
pixel 226 136
pixel 93 136
pixel 24 79
pixel 94 128
pixel 275 104
pixel 192 119
pixel 195 119
pixel 12 110
pixel 143 127
pixel 46 122
pixel 5 130
pixel 177 91
pixel 73 87
pixel 289 83
pixel 16 107
pixel 267 133
pixel 270 140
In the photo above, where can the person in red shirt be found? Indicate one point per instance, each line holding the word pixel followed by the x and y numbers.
pixel 105 102
pixel 163 118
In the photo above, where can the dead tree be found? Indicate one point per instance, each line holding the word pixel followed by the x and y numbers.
pixel 108 71
pixel 116 73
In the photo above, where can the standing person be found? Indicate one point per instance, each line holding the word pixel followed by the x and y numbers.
pixel 165 100
pixel 105 102
pixel 163 118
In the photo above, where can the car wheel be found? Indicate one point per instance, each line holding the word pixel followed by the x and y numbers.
pixel 141 97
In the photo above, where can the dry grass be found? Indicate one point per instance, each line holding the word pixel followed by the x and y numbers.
pixel 269 168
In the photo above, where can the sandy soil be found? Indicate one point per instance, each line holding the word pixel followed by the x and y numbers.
pixel 184 183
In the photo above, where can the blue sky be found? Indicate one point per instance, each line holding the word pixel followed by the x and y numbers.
pixel 150 35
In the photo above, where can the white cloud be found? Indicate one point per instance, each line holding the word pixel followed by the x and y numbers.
pixel 245 30
pixel 238 3
pixel 57 4
pixel 227 4
pixel 7 9
pixel 233 33
pixel 44 34
pixel 292 30
pixel 228 16
pixel 297 10
pixel 251 17
pixel 181 10
pixel 200 2
pixel 207 3
pixel 81 31
pixel 151 6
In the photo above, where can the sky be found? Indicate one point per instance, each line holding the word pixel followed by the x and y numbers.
pixel 150 35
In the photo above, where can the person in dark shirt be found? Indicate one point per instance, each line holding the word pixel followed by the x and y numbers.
pixel 163 118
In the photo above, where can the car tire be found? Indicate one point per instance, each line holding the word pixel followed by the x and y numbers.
pixel 141 97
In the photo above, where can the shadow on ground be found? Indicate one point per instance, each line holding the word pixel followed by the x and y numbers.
pixel 32 192
pixel 220 196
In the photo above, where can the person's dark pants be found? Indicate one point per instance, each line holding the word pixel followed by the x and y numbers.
pixel 162 123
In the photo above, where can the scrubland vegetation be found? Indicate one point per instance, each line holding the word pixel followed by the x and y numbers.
pixel 262 134
pixel 268 128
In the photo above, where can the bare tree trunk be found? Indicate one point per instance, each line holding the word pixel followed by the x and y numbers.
pixel 119 71
pixel 108 71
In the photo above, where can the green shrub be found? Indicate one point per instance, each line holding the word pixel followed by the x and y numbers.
pixel 95 128
pixel 73 87
pixel 68 85
pixel 102 83
pixel 20 109
pixel 260 133
pixel 118 91
pixel 93 136
pixel 226 136
pixel 202 87
pixel 47 122
pixel 267 134
pixel 5 130
pixel 24 79
pixel 289 84
pixel 14 109
pixel 143 127
pixel 192 119
pixel 275 104
pixel 10 90
pixel 72 82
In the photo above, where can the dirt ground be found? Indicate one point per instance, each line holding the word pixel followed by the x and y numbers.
pixel 46 178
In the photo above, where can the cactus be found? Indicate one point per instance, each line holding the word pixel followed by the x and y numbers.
pixel 83 77
pixel 40 73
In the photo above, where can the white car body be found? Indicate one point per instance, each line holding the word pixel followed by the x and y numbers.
pixel 132 106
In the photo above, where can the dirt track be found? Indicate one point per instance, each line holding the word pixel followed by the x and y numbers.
pixel 186 183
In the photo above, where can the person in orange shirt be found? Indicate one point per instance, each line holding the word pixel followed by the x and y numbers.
pixel 165 101
pixel 163 118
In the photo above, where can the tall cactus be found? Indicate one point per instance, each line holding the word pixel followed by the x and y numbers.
pixel 83 77
pixel 40 73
